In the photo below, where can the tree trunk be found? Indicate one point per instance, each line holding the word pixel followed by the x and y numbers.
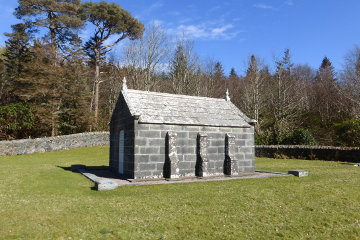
pixel 53 128
pixel 97 83
pixel 52 28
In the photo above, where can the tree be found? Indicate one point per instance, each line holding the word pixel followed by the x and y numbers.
pixel 209 84
pixel 233 73
pixel 3 81
pixel 74 112
pixel 253 92
pixel 234 86
pixel 109 20
pixel 300 136
pixel 348 133
pixel 285 97
pixel 220 81
pixel 17 53
pixel 45 88
pixel 146 57
pixel 304 76
pixel 115 75
pixel 350 78
pixel 16 120
pixel 183 67
pixel 41 84
pixel 328 100
pixel 60 17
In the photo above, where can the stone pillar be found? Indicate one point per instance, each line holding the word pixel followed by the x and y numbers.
pixel 201 169
pixel 230 163
pixel 171 156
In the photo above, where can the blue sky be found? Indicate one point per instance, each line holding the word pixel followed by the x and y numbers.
pixel 231 30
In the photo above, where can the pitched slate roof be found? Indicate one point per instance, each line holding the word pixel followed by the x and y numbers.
pixel 164 108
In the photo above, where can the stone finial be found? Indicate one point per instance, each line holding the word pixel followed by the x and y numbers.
pixel 227 98
pixel 124 86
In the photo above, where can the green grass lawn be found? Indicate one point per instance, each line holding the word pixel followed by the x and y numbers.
pixel 41 200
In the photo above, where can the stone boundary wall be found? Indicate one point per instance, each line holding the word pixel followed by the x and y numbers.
pixel 343 154
pixel 48 144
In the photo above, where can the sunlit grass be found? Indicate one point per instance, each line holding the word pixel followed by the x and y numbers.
pixel 41 200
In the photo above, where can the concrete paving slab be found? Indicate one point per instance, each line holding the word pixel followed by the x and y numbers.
pixel 104 179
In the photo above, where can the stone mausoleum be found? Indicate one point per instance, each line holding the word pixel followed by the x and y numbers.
pixel 160 135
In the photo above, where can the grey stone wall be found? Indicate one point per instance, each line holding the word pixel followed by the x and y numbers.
pixel 309 152
pixel 150 149
pixel 48 144
pixel 122 120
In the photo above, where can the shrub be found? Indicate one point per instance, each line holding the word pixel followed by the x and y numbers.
pixel 300 136
pixel 266 138
pixel 348 133
pixel 16 120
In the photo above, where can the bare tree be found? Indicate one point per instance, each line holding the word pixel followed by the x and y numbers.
pixel 253 96
pixel 304 76
pixel 285 97
pixel 350 77
pixel 212 82
pixel 146 57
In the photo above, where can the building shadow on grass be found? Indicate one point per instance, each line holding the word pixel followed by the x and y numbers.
pixel 99 171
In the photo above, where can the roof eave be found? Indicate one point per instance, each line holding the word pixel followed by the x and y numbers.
pixel 192 124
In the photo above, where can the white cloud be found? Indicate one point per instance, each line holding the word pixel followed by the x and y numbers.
pixel 221 30
pixel 205 31
pixel 192 31
pixel 263 6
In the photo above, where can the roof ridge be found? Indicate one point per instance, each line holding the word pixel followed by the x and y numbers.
pixel 173 94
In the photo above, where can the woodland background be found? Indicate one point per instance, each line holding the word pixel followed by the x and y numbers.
pixel 52 82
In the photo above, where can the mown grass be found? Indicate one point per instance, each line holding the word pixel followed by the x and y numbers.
pixel 41 200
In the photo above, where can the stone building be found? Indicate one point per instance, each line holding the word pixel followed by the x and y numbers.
pixel 160 135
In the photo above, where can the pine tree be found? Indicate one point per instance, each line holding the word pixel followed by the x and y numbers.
pixel 59 17
pixel 3 82
pixel 233 73
pixel 327 101
pixel 109 20
pixel 179 71
pixel 41 84
pixel 17 51
pixel 74 112
pixel 220 81
pixel 183 74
